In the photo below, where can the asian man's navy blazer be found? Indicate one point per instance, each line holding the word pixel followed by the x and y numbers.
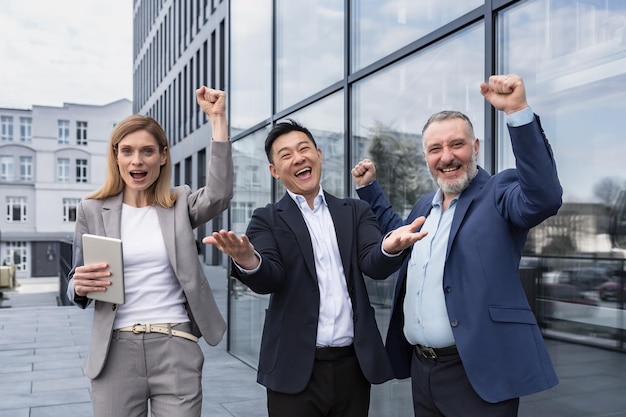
pixel 497 336
pixel 287 272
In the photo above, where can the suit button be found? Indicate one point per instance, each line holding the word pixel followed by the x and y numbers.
pixel 355 317
pixel 114 307
pixel 447 289
pixel 454 323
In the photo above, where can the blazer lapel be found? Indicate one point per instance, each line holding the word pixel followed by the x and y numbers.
pixel 167 221
pixel 289 211
pixel 464 203
pixel 343 221
pixel 112 215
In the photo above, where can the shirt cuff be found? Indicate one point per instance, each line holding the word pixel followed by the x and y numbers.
pixel 390 255
pixel 520 118
pixel 250 271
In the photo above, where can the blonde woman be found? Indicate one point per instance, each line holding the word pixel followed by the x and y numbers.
pixel 144 353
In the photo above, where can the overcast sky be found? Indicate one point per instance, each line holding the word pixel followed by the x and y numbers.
pixel 65 51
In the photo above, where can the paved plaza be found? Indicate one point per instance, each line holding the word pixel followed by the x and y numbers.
pixel 42 349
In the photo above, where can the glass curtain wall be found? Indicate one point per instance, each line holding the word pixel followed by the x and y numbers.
pixel 309 48
pixel 382 27
pixel 250 98
pixel 365 83
pixel 572 55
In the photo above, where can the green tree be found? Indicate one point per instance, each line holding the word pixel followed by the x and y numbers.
pixel 607 189
pixel 400 166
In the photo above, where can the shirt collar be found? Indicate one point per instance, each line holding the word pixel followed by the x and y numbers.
pixel 301 201
pixel 438 199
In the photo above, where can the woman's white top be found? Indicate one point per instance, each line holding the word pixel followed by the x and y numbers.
pixel 153 294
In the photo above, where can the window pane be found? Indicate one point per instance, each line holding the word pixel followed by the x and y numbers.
pixel 446 76
pixel 63 169
pixel 251 63
pixel 69 209
pixel 81 170
pixel 6 128
pixel 572 56
pixel 6 168
pixel 309 48
pixel 81 133
pixel 324 120
pixel 19 250
pixel 253 181
pixel 16 209
pixel 381 27
pixel 247 309
pixel 26 168
pixel 26 129
pixel 64 131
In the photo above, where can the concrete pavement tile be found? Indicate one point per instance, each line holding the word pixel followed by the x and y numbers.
pixel 20 345
pixel 15 368
pixel 61 384
pixel 600 403
pixel 252 408
pixel 22 412
pixel 15 388
pixel 41 360
pixel 58 364
pixel 79 410
pixel 51 356
pixel 48 331
pixel 45 398
pixel 69 348
pixel 224 395
pixel 75 372
pixel 9 354
pixel 214 410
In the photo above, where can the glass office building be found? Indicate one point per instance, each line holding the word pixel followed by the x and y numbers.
pixel 364 76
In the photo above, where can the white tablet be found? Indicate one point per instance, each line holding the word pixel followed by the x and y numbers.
pixel 98 249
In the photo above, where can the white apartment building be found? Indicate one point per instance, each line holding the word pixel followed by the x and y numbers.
pixel 50 158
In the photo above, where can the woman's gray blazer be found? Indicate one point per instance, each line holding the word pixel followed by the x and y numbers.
pixel 103 217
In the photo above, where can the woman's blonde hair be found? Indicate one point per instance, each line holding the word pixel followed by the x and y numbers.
pixel 160 192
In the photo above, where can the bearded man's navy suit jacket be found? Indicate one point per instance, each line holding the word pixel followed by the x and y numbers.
pixel 287 272
pixel 496 333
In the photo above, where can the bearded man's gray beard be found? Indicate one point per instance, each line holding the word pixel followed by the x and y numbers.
pixel 462 183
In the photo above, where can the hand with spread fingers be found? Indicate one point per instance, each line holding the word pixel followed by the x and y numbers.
pixel 238 248
pixel 404 236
